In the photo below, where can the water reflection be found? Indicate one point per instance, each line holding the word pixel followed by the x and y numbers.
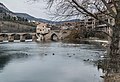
pixel 4 61
pixel 49 62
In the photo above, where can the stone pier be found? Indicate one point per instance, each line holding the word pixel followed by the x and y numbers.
pixel 33 37
pixel 22 38
pixel 1 38
pixel 10 38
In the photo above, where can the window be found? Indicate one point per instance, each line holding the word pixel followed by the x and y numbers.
pixel 111 21
pixel 106 20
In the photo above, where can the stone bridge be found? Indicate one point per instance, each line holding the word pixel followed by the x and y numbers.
pixel 52 35
pixel 56 35
pixel 17 36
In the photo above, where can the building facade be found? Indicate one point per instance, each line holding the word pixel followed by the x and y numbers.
pixel 42 28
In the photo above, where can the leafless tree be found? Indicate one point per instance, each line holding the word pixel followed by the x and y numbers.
pixel 92 8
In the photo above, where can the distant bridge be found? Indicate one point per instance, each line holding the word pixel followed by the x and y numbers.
pixel 52 35
pixel 17 36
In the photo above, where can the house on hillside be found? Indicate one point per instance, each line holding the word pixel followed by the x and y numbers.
pixel 42 28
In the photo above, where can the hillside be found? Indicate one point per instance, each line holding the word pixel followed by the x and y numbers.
pixel 12 27
pixel 29 17
pixel 6 13
pixel 2 6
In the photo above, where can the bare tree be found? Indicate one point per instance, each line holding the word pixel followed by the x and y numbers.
pixel 92 8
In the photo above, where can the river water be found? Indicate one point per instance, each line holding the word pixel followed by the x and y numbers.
pixel 49 62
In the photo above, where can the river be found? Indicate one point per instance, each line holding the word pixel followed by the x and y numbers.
pixel 49 62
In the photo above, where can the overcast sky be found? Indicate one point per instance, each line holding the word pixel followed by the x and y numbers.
pixel 36 9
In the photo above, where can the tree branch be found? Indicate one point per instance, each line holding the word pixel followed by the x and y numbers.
pixel 103 12
pixel 109 8
pixel 115 6
pixel 92 15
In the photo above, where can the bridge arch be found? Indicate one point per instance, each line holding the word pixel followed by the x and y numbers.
pixel 64 32
pixel 54 37
pixel 3 37
pixel 27 36
pixel 16 36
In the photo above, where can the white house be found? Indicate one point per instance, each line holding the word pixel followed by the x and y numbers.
pixel 42 30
